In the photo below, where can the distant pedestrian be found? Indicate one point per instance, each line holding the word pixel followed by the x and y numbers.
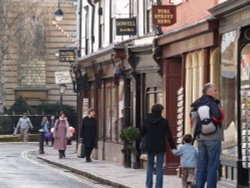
pixel 155 130
pixel 52 125
pixel 61 134
pixel 188 154
pixel 24 124
pixel 46 129
pixel 88 133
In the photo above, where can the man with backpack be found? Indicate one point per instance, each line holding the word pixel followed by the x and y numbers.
pixel 206 127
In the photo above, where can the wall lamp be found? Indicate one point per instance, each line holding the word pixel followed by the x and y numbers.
pixel 58 13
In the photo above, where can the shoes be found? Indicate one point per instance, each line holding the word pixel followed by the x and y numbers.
pixel 88 160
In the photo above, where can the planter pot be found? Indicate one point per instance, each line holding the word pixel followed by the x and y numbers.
pixel 127 158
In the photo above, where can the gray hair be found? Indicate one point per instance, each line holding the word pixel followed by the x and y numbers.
pixel 91 110
pixel 207 87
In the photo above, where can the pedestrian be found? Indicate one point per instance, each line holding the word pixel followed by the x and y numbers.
pixel 155 131
pixel 61 134
pixel 46 130
pixel 52 125
pixel 188 154
pixel 209 145
pixel 24 124
pixel 88 133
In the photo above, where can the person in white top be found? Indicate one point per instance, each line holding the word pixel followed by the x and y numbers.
pixel 24 124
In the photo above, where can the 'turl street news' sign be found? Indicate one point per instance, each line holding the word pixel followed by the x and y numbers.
pixel 164 15
pixel 63 77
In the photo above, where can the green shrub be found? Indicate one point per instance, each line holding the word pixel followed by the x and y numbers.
pixel 130 134
pixel 20 106
pixel 16 138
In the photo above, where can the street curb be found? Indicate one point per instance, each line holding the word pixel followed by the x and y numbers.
pixel 86 174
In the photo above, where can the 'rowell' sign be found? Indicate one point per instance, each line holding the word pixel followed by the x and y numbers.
pixel 164 15
pixel 126 26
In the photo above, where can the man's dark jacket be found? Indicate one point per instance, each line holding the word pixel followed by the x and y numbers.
pixel 216 115
pixel 155 130
pixel 88 132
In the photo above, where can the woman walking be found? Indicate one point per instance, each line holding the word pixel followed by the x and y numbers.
pixel 61 134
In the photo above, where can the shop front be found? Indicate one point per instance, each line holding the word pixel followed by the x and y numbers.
pixel 146 85
pixel 189 59
pixel 103 84
pixel 234 18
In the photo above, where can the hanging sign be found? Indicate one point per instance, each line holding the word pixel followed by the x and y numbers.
pixel 126 26
pixel 67 55
pixel 163 15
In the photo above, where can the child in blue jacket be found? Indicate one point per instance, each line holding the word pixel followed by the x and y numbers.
pixel 188 154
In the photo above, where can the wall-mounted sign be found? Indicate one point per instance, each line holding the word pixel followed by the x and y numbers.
pixel 63 77
pixel 67 55
pixel 126 26
pixel 164 15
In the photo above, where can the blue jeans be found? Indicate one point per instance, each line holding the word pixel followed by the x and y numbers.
pixel 159 169
pixel 208 163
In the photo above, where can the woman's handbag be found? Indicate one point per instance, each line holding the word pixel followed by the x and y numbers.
pixel 143 145
pixel 81 152
pixel 15 131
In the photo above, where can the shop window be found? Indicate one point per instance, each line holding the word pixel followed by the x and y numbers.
pixel 245 101
pixel 215 68
pixel 228 91
pixel 100 114
pixel 113 111
pixel 153 96
pixel 194 81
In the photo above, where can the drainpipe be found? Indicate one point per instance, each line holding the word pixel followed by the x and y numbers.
pixel 80 29
pixel 92 24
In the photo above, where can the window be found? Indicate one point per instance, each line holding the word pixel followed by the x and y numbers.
pixel 176 2
pixel 153 96
pixel 113 111
pixel 86 29
pixel 194 81
pixel 148 16
pixel 228 91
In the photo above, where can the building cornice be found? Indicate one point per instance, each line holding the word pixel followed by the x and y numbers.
pixel 202 26
pixel 228 7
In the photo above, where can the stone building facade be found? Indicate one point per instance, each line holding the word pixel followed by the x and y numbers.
pixel 30 38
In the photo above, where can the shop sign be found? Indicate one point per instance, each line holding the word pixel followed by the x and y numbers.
pixel 67 55
pixel 126 26
pixel 164 15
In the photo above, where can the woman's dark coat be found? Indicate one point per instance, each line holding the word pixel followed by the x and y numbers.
pixel 88 132
pixel 155 130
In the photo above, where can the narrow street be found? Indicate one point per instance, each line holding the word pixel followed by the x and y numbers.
pixel 18 169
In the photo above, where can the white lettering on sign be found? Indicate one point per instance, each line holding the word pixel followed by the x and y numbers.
pixel 63 77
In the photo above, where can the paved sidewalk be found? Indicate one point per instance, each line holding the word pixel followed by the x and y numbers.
pixel 106 172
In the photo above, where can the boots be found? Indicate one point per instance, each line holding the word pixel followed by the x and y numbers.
pixel 61 154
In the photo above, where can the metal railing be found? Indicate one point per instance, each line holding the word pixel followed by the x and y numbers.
pixel 8 122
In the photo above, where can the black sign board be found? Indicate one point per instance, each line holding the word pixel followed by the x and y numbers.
pixel 126 26
pixel 67 55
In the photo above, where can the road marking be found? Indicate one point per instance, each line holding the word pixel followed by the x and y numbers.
pixel 26 157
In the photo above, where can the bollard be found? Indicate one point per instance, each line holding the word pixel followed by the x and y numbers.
pixel 41 141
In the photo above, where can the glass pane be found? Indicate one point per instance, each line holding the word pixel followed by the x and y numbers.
pixel 245 103
pixel 108 110
pixel 121 109
pixel 114 123
pixel 228 92
pixel 100 114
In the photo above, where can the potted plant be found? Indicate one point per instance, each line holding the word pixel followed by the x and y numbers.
pixel 129 135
